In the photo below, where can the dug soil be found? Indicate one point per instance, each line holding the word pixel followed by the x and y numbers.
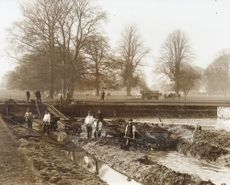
pixel 38 160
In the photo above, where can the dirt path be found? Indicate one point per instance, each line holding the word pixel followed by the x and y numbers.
pixel 13 170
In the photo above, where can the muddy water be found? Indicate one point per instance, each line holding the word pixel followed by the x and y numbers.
pixel 180 163
pixel 173 160
pixel 103 171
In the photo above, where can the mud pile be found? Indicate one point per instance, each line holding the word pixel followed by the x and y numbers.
pixel 216 138
pixel 138 167
pixel 202 144
pixel 148 137
pixel 201 150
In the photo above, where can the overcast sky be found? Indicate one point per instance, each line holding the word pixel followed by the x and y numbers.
pixel 205 22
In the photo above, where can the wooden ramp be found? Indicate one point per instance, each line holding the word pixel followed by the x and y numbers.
pixel 55 112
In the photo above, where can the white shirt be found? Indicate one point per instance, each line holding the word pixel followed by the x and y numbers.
pixel 89 120
pixel 133 129
pixel 28 115
pixel 99 125
pixel 47 118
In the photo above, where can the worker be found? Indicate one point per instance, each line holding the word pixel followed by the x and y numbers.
pixel 89 120
pixel 97 128
pixel 46 122
pixel 61 98
pixel 29 118
pixel 27 96
pixel 102 95
pixel 38 97
pixel 130 131
pixel 99 115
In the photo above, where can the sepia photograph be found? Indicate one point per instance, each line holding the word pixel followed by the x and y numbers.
pixel 114 92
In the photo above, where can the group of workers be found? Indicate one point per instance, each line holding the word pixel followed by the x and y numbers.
pixel 37 95
pixel 46 121
pixel 67 99
pixel 93 124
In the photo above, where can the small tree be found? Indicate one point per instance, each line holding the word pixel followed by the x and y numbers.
pixel 132 53
pixel 188 79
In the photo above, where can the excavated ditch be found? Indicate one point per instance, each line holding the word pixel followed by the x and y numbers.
pixel 138 163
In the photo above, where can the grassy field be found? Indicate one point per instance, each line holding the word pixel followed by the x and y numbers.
pixel 115 96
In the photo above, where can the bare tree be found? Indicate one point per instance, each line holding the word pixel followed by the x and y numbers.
pixel 132 53
pixel 65 25
pixel 37 31
pixel 174 52
pixel 88 20
pixel 97 53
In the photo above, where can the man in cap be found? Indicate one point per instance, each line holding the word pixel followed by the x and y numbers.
pixel 130 131
pixel 29 118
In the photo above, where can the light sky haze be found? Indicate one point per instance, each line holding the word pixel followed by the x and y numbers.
pixel 205 22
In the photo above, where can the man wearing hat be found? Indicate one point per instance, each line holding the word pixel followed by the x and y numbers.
pixel 130 131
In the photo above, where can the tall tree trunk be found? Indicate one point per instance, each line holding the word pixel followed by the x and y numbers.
pixel 97 85
pixel 72 83
pixel 51 91
pixel 97 80
pixel 52 53
pixel 177 77
pixel 64 85
pixel 185 95
pixel 129 88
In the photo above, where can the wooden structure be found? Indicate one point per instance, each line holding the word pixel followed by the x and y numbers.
pixel 149 95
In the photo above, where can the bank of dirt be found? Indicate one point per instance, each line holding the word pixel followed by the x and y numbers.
pixel 201 144
pixel 47 161
pixel 201 150
pixel 137 166
pixel 218 139
pixel 12 163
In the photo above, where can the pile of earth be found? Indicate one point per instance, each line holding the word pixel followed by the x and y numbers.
pixel 215 137
pixel 201 150
pixel 202 144
pixel 148 136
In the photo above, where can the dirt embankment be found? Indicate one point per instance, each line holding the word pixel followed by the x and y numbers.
pixel 201 150
pixel 216 138
pixel 135 165
pixel 48 161
pixel 13 170
pixel 202 144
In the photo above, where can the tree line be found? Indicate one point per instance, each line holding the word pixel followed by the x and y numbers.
pixel 61 46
